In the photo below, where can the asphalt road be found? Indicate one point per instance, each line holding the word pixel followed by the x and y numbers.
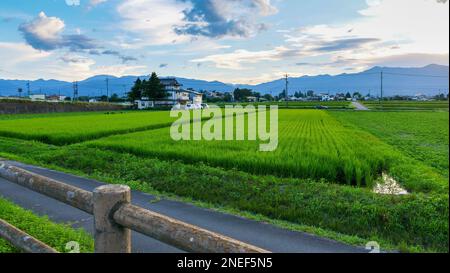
pixel 260 234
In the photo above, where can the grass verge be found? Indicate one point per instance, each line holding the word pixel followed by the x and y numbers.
pixel 52 234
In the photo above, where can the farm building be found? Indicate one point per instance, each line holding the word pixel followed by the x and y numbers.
pixel 325 97
pixel 55 98
pixel 177 95
pixel 36 97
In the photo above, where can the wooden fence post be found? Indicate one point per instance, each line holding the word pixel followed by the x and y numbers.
pixel 109 236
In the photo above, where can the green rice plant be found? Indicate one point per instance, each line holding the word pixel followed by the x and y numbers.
pixel 421 135
pixel 407 105
pixel 65 129
pixel 413 222
pixel 312 144
pixel 300 104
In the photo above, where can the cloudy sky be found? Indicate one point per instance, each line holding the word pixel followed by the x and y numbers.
pixel 235 41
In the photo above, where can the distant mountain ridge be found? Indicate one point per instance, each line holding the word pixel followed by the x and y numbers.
pixel 428 80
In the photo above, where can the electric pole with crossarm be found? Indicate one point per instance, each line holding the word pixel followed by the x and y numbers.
pixel 286 94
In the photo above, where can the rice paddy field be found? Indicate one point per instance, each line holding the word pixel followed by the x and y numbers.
pixel 72 128
pixel 312 144
pixel 320 179
pixel 307 104
pixel 408 105
pixel 421 135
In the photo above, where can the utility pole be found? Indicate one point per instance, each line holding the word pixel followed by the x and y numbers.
pixel 124 90
pixel 107 89
pixel 28 89
pixel 381 89
pixel 75 91
pixel 286 90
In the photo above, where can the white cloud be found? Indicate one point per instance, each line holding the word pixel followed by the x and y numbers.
pixel 235 59
pixel 401 27
pixel 409 60
pixel 73 2
pixel 80 68
pixel 225 18
pixel 152 21
pixel 12 54
pixel 164 22
pixel 93 3
pixel 43 32
pixel 21 61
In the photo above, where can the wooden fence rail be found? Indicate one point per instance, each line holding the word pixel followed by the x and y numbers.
pixel 115 217
pixel 22 240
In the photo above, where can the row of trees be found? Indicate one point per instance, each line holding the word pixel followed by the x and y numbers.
pixel 151 88
pixel 243 94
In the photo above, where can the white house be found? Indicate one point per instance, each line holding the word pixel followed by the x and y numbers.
pixel 195 97
pixel 144 104
pixel 56 98
pixel 252 99
pixel 325 97
pixel 176 95
pixel 37 97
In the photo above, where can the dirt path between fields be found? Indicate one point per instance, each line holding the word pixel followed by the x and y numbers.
pixel 359 106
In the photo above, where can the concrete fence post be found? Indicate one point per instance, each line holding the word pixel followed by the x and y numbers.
pixel 109 236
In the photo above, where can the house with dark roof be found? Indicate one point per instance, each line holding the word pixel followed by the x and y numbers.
pixel 176 95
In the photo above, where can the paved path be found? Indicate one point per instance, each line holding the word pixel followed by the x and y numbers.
pixel 359 106
pixel 260 234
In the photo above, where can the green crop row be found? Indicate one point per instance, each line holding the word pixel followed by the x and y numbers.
pixel 312 144
pixel 65 129
pixel 407 105
pixel 414 222
pixel 299 104
pixel 421 135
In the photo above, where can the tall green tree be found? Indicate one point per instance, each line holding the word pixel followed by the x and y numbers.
pixel 227 97
pixel 242 94
pixel 153 89
pixel 268 97
pixel 136 91
pixel 357 95
pixel 115 98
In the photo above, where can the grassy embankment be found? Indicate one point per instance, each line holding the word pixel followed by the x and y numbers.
pixel 52 234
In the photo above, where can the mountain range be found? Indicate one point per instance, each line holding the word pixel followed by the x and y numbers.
pixel 429 80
